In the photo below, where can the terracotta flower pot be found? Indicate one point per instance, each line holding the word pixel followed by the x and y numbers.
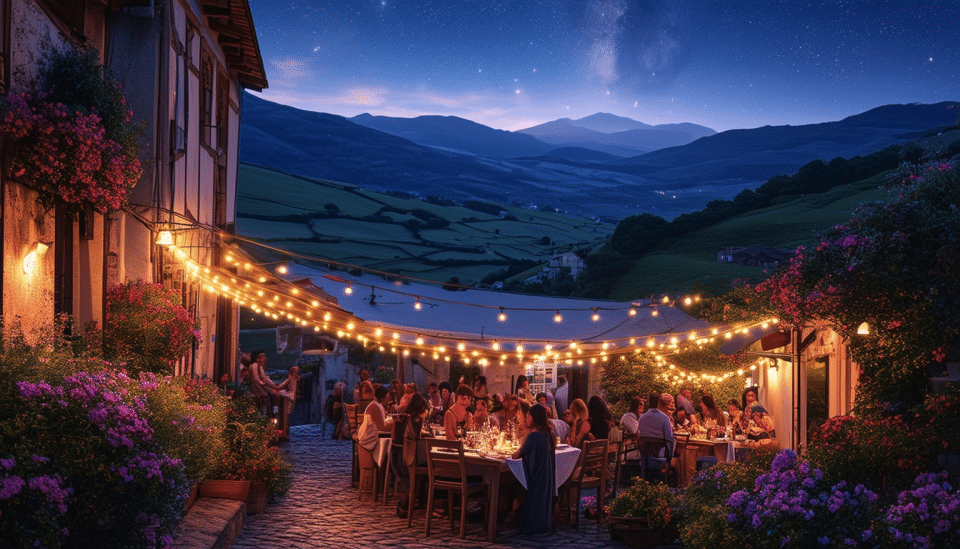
pixel 225 489
pixel 257 498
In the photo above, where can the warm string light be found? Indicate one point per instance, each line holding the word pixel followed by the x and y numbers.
pixel 288 307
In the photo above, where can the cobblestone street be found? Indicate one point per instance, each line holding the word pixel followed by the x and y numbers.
pixel 322 510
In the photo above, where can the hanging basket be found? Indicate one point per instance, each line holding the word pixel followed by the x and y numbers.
pixel 225 489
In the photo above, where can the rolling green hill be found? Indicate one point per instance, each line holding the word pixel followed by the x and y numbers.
pixel 688 264
pixel 398 235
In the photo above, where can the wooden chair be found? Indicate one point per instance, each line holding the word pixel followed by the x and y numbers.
pixel 590 473
pixel 679 453
pixel 350 411
pixel 369 474
pixel 447 471
pixel 613 464
pixel 654 448
pixel 627 462
pixel 415 471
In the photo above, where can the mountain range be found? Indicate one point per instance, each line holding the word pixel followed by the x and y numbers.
pixel 457 159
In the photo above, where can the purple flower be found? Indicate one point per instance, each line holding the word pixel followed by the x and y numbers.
pixel 10 486
pixel 8 463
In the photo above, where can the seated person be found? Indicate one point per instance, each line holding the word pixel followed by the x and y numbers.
pixel 656 424
pixel 710 415
pixel 511 405
pixel 580 428
pixel 407 427
pixel 457 420
pixel 737 418
pixel 629 420
pixel 761 424
pixel 482 415
pixel 375 420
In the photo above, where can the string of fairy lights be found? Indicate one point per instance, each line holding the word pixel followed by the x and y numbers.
pixel 269 294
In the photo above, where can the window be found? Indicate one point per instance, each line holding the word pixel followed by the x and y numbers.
pixel 69 13
pixel 4 44
pixel 206 99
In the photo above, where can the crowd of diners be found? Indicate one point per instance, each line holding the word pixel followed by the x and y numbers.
pixel 542 420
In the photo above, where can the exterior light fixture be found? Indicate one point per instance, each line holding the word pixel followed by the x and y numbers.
pixel 165 238
pixel 30 260
pixel 502 317
pixel 558 318
pixel 863 329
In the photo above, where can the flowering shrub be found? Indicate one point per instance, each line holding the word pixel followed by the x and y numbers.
pixel 703 517
pixel 792 506
pixel 188 417
pixel 80 465
pixel 943 413
pixel 878 453
pixel 894 265
pixel 926 516
pixel 73 139
pixel 146 326
pixel 643 500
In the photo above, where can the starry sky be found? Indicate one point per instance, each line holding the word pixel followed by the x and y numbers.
pixel 514 64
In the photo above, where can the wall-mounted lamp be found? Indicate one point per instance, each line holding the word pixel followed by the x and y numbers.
pixel 30 260
pixel 863 329
pixel 165 238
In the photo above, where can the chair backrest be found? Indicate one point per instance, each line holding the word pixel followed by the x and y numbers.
pixel 628 444
pixel 593 458
pixel 653 448
pixel 351 411
pixel 445 459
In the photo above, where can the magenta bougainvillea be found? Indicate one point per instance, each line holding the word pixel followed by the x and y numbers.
pixel 72 138
pixel 146 326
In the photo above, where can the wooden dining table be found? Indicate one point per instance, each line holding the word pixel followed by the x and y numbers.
pixel 695 447
pixel 498 470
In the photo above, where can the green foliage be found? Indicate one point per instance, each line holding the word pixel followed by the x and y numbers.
pixel 644 500
pixel 895 265
pixel 703 521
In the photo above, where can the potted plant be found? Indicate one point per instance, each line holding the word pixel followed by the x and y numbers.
pixel 249 465
pixel 639 515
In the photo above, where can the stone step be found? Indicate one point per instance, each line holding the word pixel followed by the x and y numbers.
pixel 211 523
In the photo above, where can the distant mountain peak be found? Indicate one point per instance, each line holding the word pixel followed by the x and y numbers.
pixel 605 122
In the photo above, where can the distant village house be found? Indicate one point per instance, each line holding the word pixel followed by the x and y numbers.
pixel 757 255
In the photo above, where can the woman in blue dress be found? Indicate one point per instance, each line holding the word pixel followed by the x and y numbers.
pixel 539 468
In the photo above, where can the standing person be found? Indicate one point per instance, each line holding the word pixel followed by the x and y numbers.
pixel 561 394
pixel 397 389
pixel 656 423
pixel 288 394
pixel 457 420
pixel 333 410
pixel 261 386
pixel 685 402
pixel 539 469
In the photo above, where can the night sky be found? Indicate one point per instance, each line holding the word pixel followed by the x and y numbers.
pixel 515 64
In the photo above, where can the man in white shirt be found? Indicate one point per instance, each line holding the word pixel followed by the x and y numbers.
pixel 656 423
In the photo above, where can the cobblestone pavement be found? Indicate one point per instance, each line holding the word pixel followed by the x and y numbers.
pixel 322 510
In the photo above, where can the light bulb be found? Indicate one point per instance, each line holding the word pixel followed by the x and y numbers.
pixel 558 318
pixel 502 317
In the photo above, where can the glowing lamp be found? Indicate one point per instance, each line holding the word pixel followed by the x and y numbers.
pixel 165 238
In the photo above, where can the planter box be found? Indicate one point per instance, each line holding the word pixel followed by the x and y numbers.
pixel 257 498
pixel 225 489
pixel 635 532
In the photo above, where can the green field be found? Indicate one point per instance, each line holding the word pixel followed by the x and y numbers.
pixel 289 213
pixel 688 265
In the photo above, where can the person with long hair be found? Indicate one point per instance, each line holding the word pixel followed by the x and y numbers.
pixel 511 405
pixel 580 429
pixel 375 419
pixel 523 389
pixel 710 414
pixel 629 420
pixel 480 387
pixel 406 427
pixel 287 391
pixel 482 415
pixel 601 420
pixel 539 469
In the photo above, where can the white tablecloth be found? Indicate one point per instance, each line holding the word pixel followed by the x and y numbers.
pixel 566 462
pixel 382 452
